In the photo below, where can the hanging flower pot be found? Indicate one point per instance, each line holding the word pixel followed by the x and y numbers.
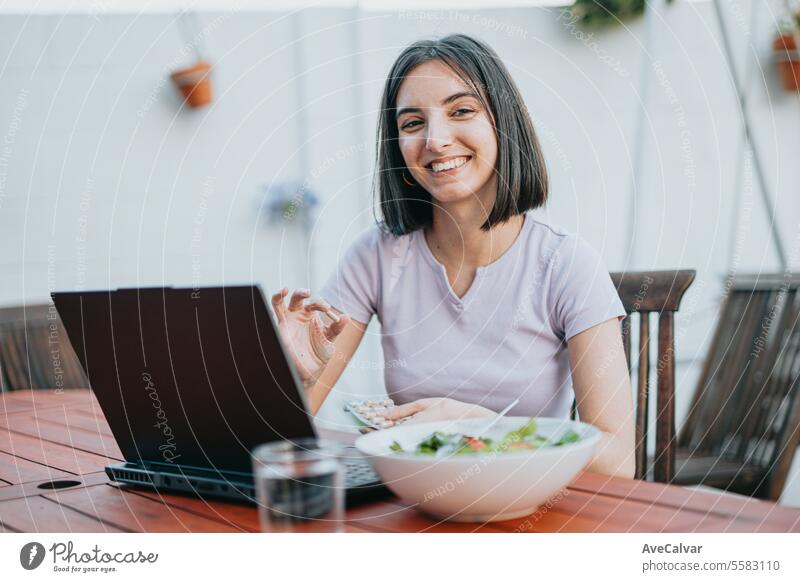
pixel 785 49
pixel 788 61
pixel 194 83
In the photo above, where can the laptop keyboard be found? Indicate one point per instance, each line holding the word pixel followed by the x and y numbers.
pixel 358 472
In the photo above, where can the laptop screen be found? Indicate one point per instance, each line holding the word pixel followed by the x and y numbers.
pixel 190 377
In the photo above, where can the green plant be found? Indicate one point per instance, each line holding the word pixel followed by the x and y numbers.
pixel 789 23
pixel 600 13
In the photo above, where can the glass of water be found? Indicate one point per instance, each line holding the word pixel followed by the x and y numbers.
pixel 299 485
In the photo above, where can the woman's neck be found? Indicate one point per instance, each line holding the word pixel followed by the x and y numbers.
pixel 456 238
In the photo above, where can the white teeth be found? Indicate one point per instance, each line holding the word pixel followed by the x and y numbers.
pixel 449 164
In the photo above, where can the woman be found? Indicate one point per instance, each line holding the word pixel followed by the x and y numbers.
pixel 479 303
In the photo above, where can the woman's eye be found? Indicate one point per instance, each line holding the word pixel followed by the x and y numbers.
pixel 462 111
pixel 410 124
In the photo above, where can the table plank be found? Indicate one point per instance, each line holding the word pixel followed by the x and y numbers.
pixel 394 516
pixel 9 406
pixel 574 512
pixel 32 488
pixel 39 514
pixel 128 510
pixel 242 515
pixel 57 456
pixel 731 506
pixel 28 400
pixel 237 515
pixel 64 433
pixel 14 470
pixel 579 511
pixel 86 419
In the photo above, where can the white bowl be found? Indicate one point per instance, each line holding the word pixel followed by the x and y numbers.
pixel 482 486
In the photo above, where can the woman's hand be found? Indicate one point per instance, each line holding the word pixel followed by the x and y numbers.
pixel 308 340
pixel 427 409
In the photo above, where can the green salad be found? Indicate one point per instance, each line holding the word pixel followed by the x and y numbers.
pixel 521 439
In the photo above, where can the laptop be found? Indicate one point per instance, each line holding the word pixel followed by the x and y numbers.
pixel 190 381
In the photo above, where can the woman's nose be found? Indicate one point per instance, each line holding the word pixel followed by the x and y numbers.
pixel 438 137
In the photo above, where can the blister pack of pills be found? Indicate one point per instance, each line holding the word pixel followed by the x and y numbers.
pixel 372 412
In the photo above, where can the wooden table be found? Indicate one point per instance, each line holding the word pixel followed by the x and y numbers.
pixel 47 436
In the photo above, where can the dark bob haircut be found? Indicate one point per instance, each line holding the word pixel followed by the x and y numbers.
pixel 521 172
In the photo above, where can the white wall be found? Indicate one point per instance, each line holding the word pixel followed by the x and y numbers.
pixel 105 181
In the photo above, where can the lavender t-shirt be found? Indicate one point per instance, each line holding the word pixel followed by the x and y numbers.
pixel 505 338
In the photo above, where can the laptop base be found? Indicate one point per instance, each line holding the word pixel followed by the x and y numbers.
pixel 361 485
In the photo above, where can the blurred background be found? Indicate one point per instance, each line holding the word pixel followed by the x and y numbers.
pixel 110 178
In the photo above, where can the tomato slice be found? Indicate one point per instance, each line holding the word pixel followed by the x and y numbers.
pixel 476 444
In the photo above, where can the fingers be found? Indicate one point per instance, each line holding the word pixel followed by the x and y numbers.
pixel 323 348
pixel 317 305
pixel 426 415
pixel 296 302
pixel 336 327
pixel 404 410
pixel 278 305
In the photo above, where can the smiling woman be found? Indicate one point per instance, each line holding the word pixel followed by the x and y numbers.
pixel 481 103
pixel 483 303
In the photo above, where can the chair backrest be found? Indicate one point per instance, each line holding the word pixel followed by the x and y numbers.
pixel 35 351
pixel 643 293
pixel 746 407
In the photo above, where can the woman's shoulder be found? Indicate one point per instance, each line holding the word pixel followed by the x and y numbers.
pixel 541 229
pixel 377 237
pixel 581 293
pixel 561 248
pixel 549 239
pixel 376 242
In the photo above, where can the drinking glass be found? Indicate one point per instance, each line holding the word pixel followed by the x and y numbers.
pixel 299 485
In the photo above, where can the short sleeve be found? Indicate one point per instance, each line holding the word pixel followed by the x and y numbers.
pixel 582 291
pixel 354 286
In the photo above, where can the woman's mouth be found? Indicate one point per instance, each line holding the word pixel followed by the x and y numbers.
pixel 449 167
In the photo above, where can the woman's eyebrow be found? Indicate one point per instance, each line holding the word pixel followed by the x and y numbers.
pixel 447 100
pixel 455 96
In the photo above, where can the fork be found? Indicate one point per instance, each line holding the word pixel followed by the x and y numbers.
pixel 496 419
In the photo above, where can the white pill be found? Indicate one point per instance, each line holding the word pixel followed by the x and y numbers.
pixel 388 402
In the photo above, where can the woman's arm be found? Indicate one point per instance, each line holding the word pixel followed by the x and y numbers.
pixel 346 344
pixel 603 391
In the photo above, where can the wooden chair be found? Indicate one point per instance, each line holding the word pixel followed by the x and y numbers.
pixel 743 427
pixel 35 351
pixel 643 293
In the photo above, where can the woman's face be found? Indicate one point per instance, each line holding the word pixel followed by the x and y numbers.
pixel 446 136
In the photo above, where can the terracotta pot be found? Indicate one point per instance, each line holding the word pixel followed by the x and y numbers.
pixel 783 43
pixel 788 64
pixel 194 84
